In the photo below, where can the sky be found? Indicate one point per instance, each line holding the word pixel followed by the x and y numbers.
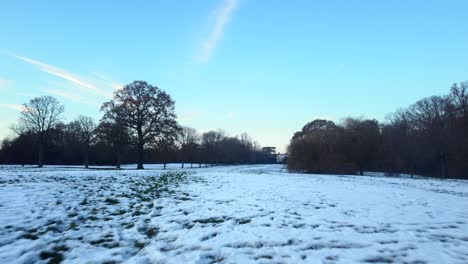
pixel 256 66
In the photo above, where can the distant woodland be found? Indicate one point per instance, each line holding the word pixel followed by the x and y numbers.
pixel 430 137
pixel 139 125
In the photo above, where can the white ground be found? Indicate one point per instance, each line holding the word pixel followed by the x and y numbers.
pixel 237 214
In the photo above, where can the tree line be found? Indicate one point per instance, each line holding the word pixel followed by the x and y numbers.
pixel 430 137
pixel 139 126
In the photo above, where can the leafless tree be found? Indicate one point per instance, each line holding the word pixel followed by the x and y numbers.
pixel 429 117
pixel 146 110
pixel 188 138
pixel 362 141
pixel 116 136
pixel 39 116
pixel 459 97
pixel 211 146
pixel 85 129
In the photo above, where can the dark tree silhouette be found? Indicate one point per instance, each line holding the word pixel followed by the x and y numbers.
pixel 399 143
pixel 115 135
pixel 363 141
pixel 188 139
pixel 39 116
pixel 85 129
pixel 319 148
pixel 429 117
pixel 430 137
pixel 146 110
pixel 211 148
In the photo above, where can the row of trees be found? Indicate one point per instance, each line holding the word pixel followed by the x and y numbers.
pixel 139 125
pixel 429 137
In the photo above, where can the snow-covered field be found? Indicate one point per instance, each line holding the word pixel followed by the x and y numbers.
pixel 232 214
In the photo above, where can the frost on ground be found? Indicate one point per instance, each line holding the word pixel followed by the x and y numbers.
pixel 236 214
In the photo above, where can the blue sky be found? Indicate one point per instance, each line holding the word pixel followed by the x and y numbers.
pixel 261 67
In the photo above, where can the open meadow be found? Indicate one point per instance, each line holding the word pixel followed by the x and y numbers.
pixel 227 214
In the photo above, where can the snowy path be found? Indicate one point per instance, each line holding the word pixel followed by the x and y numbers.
pixel 237 214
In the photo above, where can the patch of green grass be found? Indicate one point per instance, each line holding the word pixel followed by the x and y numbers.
pixel 110 200
pixel 243 221
pixel 212 220
pixel 53 257
pixel 151 232
pixel 129 225
pixel 84 201
pixel 139 245
pixel 72 225
pixel 30 236
pixel 138 212
pixel 60 248
pixel 93 218
pixel 72 214
pixel 264 257
pixel 106 241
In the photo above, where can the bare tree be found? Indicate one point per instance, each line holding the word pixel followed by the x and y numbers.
pixel 362 139
pixel 429 116
pixel 459 95
pixel 146 110
pixel 187 138
pixel 115 135
pixel 166 148
pixel 211 146
pixel 39 116
pixel 85 129
pixel 399 142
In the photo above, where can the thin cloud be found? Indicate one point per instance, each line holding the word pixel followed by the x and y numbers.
pixel 190 116
pixel 69 95
pixel 29 95
pixel 4 83
pixel 230 115
pixel 61 73
pixel 17 107
pixel 223 15
pixel 114 84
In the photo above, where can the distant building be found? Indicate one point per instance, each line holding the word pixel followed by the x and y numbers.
pixel 269 155
pixel 281 158
pixel 269 150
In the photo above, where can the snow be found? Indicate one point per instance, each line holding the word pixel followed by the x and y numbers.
pixel 228 214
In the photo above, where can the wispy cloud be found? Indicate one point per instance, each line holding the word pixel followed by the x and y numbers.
pixel 28 95
pixel 61 73
pixel 17 107
pixel 190 116
pixel 222 16
pixel 4 83
pixel 70 96
pixel 112 83
pixel 230 115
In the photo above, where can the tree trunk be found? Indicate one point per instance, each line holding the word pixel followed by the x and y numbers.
pixel 164 165
pixel 182 165
pixel 412 170
pixel 87 157
pixel 443 166
pixel 141 144
pixel 119 158
pixel 191 165
pixel 40 162
pixel 140 157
